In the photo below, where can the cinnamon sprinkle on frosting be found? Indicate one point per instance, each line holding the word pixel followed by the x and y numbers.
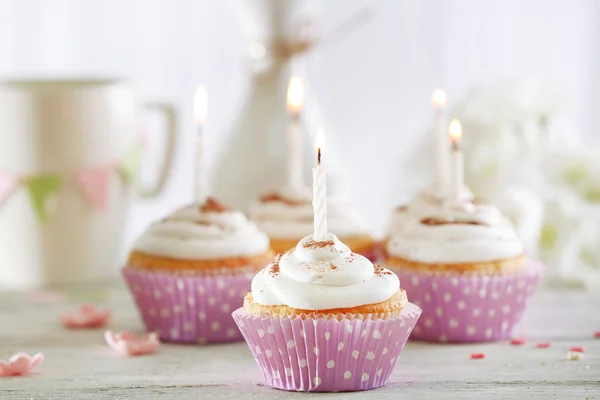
pixel 273 197
pixel 213 205
pixel 314 244
pixel 220 226
pixel 439 221
pixel 274 269
pixel 380 271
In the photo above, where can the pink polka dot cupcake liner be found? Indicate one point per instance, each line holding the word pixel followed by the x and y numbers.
pixel 327 355
pixel 187 308
pixel 468 309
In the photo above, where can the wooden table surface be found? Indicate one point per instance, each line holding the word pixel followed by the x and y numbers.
pixel 79 364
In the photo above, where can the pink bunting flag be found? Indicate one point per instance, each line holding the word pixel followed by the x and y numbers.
pixel 94 184
pixel 7 184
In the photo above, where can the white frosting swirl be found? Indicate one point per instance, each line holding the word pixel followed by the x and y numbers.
pixel 425 202
pixel 190 233
pixel 323 276
pixel 471 233
pixel 291 216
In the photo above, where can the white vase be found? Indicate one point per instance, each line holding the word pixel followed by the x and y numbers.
pixel 252 160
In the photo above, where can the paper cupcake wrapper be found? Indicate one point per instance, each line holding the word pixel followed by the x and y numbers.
pixel 327 355
pixel 468 309
pixel 189 308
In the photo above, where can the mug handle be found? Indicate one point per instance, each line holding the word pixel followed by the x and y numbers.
pixel 168 111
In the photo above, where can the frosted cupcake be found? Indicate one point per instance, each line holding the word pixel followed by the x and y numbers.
pixel 321 318
pixel 190 270
pixel 467 268
pixel 425 202
pixel 287 217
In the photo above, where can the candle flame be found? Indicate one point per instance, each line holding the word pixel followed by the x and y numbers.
pixel 438 98
pixel 455 130
pixel 320 140
pixel 200 105
pixel 319 144
pixel 295 95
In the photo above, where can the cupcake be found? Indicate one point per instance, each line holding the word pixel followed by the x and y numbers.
pixel 287 216
pixel 321 318
pixel 188 272
pixel 424 203
pixel 467 268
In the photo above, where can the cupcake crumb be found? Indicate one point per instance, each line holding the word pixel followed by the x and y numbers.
pixel 575 356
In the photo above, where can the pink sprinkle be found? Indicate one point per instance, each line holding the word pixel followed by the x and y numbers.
pixel 597 334
pixel 578 349
pixel 477 356
pixel 517 341
pixel 543 345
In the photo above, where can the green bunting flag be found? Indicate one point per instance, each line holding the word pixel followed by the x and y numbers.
pixel 93 182
pixel 130 165
pixel 41 189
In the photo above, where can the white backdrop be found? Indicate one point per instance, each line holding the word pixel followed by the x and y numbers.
pixel 375 84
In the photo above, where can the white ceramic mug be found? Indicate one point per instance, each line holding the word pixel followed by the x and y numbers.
pixel 62 127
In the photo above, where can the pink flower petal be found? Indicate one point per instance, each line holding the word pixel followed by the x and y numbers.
pixel 86 317
pixel 36 360
pixel 20 365
pixel 87 309
pixel 4 369
pixel 17 356
pixel 127 345
pixel 126 336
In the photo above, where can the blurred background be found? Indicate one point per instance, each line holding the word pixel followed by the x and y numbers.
pixel 526 67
